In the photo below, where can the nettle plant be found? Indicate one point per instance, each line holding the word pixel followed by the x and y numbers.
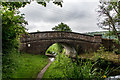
pixel 79 69
pixel 99 52
pixel 115 50
pixel 101 49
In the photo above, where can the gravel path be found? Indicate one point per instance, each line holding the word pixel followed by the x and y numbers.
pixel 41 73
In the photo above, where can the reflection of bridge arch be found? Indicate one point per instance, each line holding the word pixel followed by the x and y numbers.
pixel 38 42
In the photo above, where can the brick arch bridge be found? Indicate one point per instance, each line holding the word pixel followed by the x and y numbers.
pixel 39 42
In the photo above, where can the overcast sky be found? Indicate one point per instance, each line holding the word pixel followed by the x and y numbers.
pixel 79 15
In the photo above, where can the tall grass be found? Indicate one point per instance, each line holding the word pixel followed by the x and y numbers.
pixel 64 67
pixel 24 65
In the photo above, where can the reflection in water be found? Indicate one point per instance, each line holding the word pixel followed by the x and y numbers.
pixel 52 59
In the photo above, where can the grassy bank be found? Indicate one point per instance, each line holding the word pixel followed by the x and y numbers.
pixel 25 65
pixel 64 67
pixel 109 56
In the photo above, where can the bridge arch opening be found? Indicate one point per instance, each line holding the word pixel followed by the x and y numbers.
pixel 54 49
pixel 60 47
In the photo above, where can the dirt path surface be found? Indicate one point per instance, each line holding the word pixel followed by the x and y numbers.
pixel 41 73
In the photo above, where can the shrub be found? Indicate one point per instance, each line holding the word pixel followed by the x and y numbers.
pixel 69 69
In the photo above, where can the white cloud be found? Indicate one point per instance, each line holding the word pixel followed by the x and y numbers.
pixel 80 15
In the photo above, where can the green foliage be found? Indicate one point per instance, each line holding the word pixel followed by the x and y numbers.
pixel 23 65
pixel 101 49
pixel 62 27
pixel 13 25
pixel 55 48
pixel 14 5
pixel 57 2
pixel 105 34
pixel 115 50
pixel 103 63
pixel 110 35
pixel 64 67
pixel 99 52
pixel 109 16
pixel 44 2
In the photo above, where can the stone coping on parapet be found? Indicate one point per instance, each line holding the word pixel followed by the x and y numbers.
pixel 60 32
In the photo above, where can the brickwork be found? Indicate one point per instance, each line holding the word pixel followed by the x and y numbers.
pixel 39 42
pixel 108 44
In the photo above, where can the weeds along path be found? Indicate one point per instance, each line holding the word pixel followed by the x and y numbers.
pixel 41 73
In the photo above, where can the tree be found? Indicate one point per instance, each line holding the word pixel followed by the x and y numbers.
pixel 62 27
pixel 109 17
pixel 13 25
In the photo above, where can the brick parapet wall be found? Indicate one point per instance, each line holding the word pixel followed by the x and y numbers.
pixel 60 35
